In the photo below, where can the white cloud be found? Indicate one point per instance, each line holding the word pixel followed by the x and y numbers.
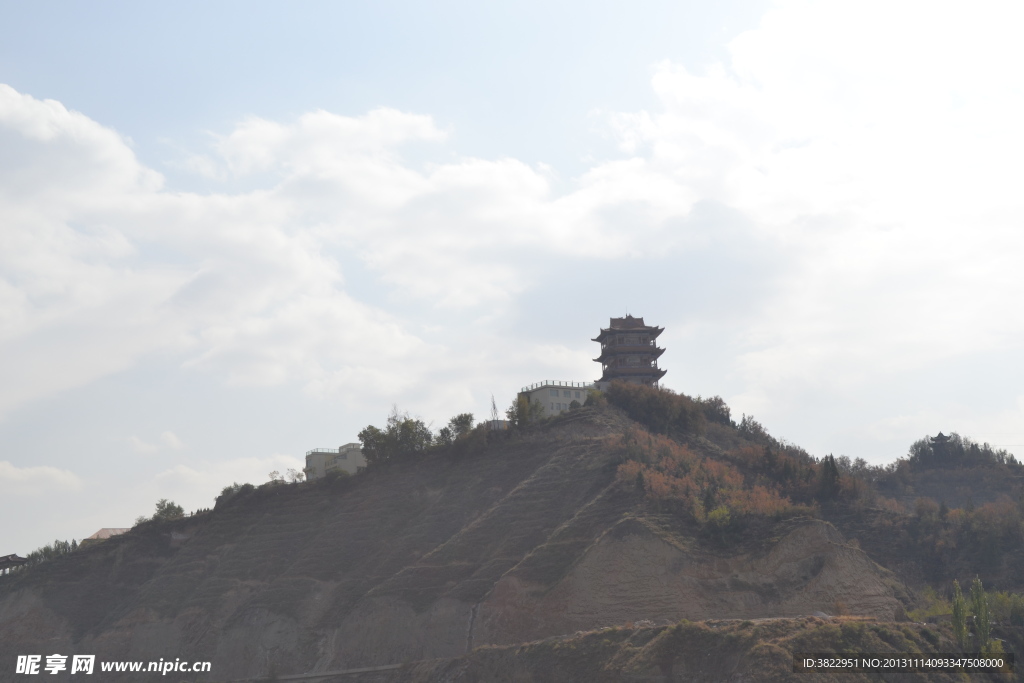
pixel 140 446
pixel 884 155
pixel 32 481
pixel 94 278
pixel 171 440
pixel 167 440
pixel 250 285
pixel 873 163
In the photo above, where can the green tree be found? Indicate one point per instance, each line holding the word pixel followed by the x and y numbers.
pixel 374 442
pixel 445 437
pixel 829 477
pixel 229 492
pixel 660 410
pixel 751 429
pixel 402 436
pixel 461 424
pixel 715 410
pixel 955 451
pixel 50 551
pixel 982 618
pixel 959 616
pixel 1016 616
pixel 524 412
pixel 167 510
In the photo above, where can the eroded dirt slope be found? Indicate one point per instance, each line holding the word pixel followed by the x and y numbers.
pixel 755 651
pixel 425 560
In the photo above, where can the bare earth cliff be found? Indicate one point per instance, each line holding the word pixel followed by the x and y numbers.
pixel 530 539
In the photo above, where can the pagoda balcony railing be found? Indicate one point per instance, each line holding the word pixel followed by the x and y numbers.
pixel 651 363
pixel 606 345
pixel 557 383
pixel 629 368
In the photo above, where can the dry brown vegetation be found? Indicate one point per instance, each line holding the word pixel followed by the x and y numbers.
pixel 676 479
pixel 696 461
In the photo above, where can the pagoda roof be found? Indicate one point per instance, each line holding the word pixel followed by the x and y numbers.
pixel 628 324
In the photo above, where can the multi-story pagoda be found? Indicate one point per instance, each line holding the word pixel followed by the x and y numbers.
pixel 629 351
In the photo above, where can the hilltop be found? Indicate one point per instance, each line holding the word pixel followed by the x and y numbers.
pixel 653 509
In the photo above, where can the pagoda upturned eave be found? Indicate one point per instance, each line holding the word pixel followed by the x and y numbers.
pixel 614 331
pixel 612 374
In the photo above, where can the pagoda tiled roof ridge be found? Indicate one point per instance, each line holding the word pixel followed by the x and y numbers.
pixel 651 330
pixel 627 323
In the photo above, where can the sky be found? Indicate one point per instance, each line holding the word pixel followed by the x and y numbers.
pixel 233 232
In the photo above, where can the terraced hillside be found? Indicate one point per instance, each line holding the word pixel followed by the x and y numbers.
pixel 531 538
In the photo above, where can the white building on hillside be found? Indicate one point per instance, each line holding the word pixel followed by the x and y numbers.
pixel 555 397
pixel 320 461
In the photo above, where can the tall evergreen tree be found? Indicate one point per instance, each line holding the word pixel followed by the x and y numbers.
pixel 959 616
pixel 829 477
pixel 982 619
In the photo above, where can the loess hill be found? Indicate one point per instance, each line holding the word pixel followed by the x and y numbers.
pixel 458 555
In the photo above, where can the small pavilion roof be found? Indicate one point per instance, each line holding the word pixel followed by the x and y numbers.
pixel 11 561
